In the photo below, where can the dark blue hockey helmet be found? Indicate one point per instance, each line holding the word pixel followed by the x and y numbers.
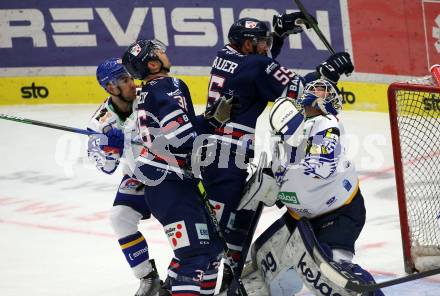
pixel 249 28
pixel 138 54
pixel 110 71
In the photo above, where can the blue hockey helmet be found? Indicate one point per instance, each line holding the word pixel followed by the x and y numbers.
pixel 249 28
pixel 138 54
pixel 109 71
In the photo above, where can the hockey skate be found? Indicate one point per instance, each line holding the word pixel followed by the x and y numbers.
pixel 227 278
pixel 150 284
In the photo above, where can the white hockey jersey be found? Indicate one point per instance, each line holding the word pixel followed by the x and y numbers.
pixel 108 160
pixel 321 178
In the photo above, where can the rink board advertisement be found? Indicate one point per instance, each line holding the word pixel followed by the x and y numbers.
pixel 50 49
pixel 83 32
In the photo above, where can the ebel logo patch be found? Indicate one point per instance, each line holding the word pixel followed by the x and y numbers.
pixel 288 197
pixel 135 50
pixel 202 231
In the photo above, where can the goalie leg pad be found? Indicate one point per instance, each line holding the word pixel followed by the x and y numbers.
pixel 267 256
pixel 308 259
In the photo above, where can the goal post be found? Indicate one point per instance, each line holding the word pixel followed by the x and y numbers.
pixel 414 111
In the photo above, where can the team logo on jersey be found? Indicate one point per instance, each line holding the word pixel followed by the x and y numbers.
pixel 250 24
pixel 288 197
pixel 330 201
pixel 131 186
pixel 177 235
pixel 135 50
pixel 202 231
pixel 174 93
pixel 347 185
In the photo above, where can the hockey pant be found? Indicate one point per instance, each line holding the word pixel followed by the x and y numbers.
pixel 178 207
pixel 225 188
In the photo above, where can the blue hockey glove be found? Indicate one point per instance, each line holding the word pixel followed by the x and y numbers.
pixel 336 65
pixel 290 23
pixel 115 140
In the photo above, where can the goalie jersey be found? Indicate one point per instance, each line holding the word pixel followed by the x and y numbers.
pixel 106 117
pixel 321 178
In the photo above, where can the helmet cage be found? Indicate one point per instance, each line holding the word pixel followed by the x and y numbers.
pixel 138 54
pixel 322 87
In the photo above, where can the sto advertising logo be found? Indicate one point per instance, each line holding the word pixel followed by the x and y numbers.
pixel 34 92
pixel 431 15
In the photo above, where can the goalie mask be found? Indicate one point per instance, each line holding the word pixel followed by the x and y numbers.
pixel 137 55
pixel 322 95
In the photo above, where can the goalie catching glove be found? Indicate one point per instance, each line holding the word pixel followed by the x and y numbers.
pixel 290 23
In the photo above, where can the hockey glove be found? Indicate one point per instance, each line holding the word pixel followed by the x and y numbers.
pixel 115 141
pixel 326 107
pixel 220 111
pixel 336 65
pixel 292 23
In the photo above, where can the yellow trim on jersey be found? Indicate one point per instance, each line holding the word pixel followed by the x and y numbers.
pixel 132 243
pixel 348 201
pixel 293 214
pixel 353 194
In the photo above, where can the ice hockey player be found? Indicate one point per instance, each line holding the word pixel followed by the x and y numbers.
pixel 244 71
pixel 320 188
pixel 129 207
pixel 166 125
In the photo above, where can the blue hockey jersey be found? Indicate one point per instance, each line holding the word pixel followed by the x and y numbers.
pixel 254 80
pixel 165 121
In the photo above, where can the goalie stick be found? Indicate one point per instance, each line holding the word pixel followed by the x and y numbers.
pixel 334 272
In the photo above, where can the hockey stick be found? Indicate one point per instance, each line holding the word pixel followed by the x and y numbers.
pixel 334 272
pixel 211 213
pixel 246 246
pixel 314 26
pixel 372 287
pixel 46 124
pixel 256 217
pixel 55 126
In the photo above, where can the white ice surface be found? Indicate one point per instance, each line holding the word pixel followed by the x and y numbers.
pixel 55 238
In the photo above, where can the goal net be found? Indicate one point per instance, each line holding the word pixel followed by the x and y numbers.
pixel 415 127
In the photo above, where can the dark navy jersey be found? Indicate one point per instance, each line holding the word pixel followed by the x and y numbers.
pixel 254 80
pixel 165 120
